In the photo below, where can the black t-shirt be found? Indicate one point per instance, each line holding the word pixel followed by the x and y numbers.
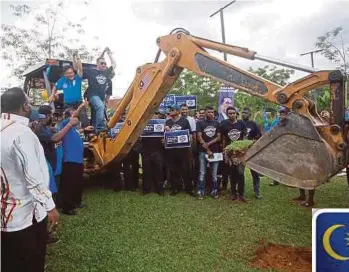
pixel 181 124
pixel 233 131
pixel 48 145
pixel 209 130
pixel 253 130
pixel 99 82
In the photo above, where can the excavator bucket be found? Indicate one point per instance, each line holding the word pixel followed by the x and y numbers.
pixel 294 154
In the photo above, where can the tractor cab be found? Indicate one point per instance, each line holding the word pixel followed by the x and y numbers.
pixel 40 79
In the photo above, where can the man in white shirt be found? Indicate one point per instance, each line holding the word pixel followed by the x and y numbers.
pixel 26 202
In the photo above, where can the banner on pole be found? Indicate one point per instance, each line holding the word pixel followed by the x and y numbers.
pixel 226 97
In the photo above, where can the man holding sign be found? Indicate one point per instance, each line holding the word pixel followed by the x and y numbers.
pixel 153 158
pixel 208 138
pixel 178 158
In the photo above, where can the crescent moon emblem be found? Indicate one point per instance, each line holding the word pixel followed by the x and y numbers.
pixel 327 246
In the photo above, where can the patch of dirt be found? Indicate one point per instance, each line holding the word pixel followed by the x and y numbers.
pixel 283 258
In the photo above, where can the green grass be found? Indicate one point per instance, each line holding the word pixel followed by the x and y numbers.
pixel 128 232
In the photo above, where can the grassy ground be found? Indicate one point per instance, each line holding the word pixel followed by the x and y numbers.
pixel 128 232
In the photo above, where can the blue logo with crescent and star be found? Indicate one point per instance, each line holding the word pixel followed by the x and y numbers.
pixel 331 240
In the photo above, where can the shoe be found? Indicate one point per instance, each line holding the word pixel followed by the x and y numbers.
pixel 300 198
pixel 234 197
pixel 173 193
pixel 51 239
pixel 215 196
pixel 243 199
pixel 81 206
pixel 258 196
pixel 146 192
pixel 307 204
pixel 70 212
pixel 274 183
pixel 200 197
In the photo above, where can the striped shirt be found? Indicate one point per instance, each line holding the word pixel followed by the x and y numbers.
pixel 24 175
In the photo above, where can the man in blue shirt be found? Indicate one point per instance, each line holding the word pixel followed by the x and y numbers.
pixel 71 184
pixel 70 83
pixel 99 89
pixel 282 114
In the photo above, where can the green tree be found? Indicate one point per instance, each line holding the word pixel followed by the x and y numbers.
pixel 204 88
pixel 257 104
pixel 52 35
pixel 335 50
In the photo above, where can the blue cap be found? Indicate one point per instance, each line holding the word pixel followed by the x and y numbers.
pixel 175 107
pixel 34 116
pixel 162 111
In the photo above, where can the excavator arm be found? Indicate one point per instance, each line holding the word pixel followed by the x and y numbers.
pixel 304 153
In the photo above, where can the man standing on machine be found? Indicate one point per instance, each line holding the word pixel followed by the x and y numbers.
pixel 99 88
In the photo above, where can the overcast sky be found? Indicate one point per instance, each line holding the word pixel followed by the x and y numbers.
pixel 279 29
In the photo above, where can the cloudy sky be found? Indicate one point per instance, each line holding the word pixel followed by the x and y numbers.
pixel 281 28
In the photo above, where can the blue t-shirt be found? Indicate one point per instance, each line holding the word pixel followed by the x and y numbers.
pixel 99 83
pixel 71 89
pixel 73 146
pixel 52 184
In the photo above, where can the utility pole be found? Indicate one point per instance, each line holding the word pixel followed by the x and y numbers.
pixel 220 11
pixel 312 65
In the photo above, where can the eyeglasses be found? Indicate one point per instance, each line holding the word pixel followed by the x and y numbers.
pixel 103 63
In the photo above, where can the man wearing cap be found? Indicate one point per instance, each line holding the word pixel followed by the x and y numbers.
pixel 178 157
pixel 193 156
pixel 153 162
pixel 48 136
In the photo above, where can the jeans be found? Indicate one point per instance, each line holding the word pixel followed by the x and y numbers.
pixel 203 167
pixel 97 108
pixel 256 182
pixel 237 179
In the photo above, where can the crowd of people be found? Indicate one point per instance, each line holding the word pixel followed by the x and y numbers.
pixel 42 159
pixel 42 162
pixel 194 169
